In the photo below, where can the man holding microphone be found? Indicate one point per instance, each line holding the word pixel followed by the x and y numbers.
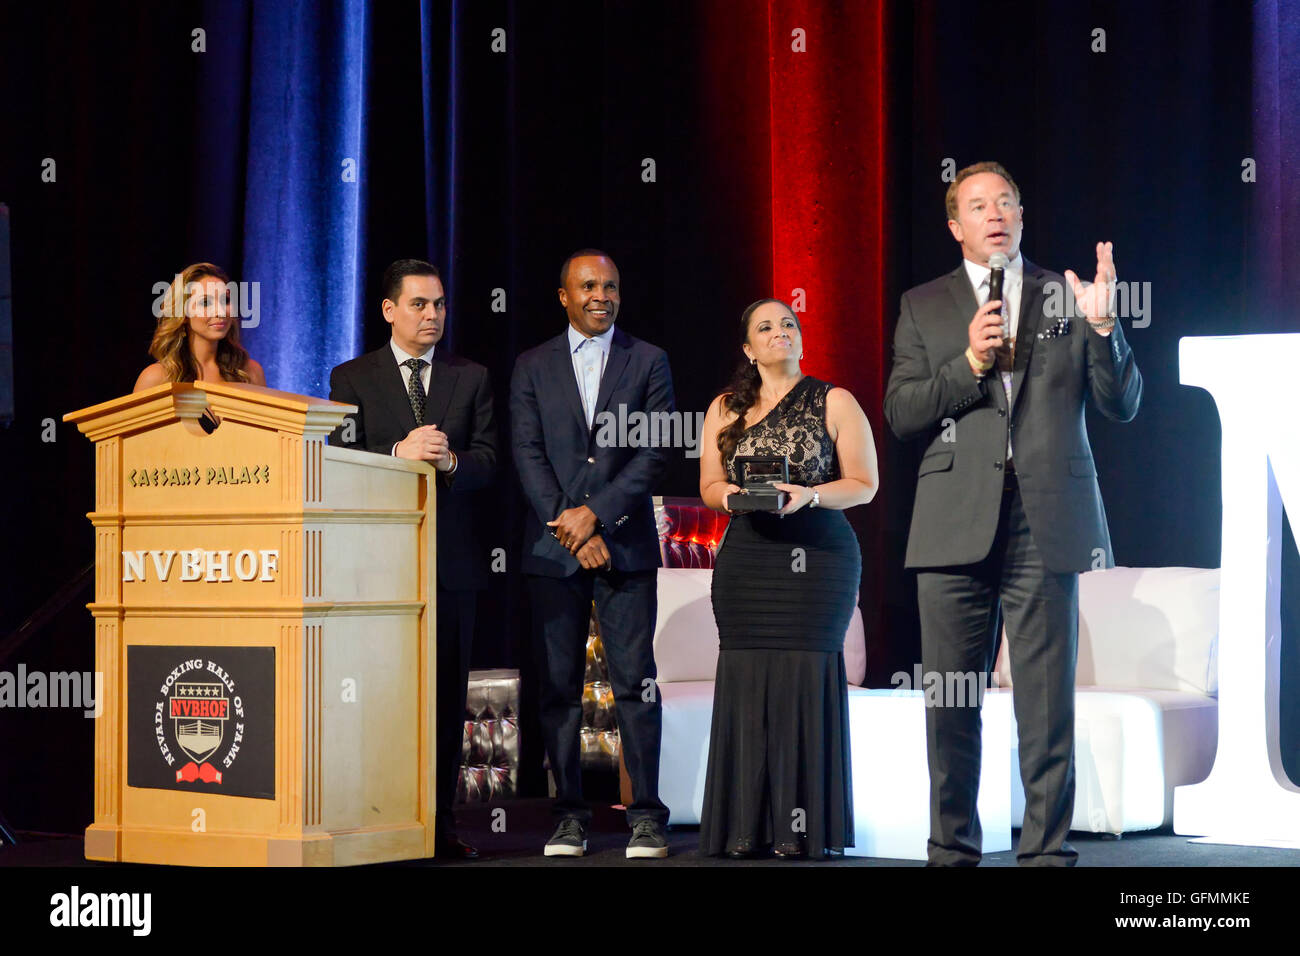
pixel 1008 510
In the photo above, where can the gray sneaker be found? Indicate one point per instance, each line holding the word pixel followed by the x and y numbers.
pixel 648 842
pixel 569 839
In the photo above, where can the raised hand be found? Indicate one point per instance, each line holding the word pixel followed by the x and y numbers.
pixel 1094 300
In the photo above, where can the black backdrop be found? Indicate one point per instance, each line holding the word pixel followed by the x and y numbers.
pixel 1142 144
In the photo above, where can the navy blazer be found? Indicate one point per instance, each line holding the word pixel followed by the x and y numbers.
pixel 562 464
pixel 460 404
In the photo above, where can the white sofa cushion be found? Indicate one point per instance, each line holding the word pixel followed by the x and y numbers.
pixel 891 808
pixel 1132 747
pixel 686 635
pixel 855 649
pixel 1154 628
pixel 684 747
pixel 891 777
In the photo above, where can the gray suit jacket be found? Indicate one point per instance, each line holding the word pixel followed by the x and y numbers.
pixel 965 422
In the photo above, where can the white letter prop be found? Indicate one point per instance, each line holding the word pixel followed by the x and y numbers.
pixel 1248 799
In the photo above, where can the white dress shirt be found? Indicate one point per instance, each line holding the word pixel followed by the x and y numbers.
pixel 1012 282
pixel 589 358
pixel 403 356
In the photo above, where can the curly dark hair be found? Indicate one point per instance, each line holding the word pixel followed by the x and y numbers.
pixel 742 391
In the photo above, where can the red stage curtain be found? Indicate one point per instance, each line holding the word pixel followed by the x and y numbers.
pixel 796 100
pixel 798 130
pixel 828 181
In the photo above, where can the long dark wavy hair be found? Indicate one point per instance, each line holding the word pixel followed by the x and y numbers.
pixel 742 391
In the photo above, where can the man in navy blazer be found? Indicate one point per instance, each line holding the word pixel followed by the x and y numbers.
pixel 418 401
pixel 590 535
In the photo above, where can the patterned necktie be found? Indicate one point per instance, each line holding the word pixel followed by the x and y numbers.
pixel 1004 354
pixel 415 390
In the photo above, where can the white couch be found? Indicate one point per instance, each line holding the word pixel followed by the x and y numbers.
pixel 686 657
pixel 886 732
pixel 1146 716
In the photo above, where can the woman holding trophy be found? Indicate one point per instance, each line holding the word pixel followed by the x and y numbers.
pixel 785 454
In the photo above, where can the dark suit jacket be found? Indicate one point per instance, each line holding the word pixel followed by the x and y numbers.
pixel 960 481
pixel 562 465
pixel 459 403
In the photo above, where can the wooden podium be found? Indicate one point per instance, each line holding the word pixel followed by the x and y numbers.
pixel 264 621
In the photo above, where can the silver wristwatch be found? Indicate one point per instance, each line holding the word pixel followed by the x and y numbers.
pixel 816 499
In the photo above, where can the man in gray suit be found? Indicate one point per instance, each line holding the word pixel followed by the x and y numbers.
pixel 1007 510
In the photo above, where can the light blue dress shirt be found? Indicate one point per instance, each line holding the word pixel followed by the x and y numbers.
pixel 589 358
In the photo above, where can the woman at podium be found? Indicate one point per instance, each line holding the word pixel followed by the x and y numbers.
pixel 197 337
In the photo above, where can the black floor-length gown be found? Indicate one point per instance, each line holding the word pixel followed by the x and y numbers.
pixel 784 590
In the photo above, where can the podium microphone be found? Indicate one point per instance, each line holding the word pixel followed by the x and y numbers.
pixel 997 270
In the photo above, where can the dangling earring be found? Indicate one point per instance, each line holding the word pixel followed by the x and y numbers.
pixel 753 361
pixel 800 356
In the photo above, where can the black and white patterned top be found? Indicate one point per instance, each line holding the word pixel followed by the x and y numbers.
pixel 796 428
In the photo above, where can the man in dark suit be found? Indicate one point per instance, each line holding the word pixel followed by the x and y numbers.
pixel 1008 511
pixel 420 402
pixel 590 534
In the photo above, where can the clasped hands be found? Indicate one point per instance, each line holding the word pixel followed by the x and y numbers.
pixel 575 529
pixel 426 443
pixel 985 332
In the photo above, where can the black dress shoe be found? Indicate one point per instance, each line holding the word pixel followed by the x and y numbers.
pixel 451 847
pixel 790 851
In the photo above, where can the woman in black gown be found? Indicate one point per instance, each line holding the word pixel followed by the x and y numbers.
pixel 784 589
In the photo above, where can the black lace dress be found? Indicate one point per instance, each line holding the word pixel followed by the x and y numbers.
pixel 784 590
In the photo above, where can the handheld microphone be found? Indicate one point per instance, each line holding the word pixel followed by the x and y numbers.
pixel 997 271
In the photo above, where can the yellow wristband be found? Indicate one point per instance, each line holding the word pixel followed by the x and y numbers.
pixel 976 363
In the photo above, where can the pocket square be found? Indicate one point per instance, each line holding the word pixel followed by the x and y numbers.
pixel 1058 328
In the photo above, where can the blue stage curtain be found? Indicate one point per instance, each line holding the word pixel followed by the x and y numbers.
pixel 1272 250
pixel 305 192
pixel 443 42
pixel 1274 240
pixel 438 89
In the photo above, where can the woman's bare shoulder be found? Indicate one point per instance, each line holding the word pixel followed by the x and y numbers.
pixel 151 376
pixel 719 411
pixel 841 399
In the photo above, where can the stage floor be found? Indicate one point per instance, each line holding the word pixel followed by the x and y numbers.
pixel 527 824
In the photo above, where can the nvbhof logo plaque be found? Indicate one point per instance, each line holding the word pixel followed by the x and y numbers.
pixel 202 719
